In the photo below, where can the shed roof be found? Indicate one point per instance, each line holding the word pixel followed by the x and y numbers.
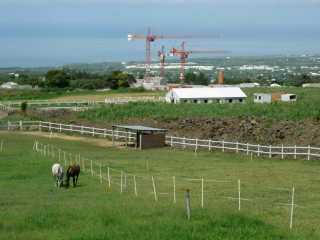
pixel 139 128
pixel 207 92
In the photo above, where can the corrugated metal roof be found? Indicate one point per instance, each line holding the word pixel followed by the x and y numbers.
pixel 206 92
pixel 139 128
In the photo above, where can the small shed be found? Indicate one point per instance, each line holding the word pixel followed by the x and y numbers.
pixel 146 137
pixel 288 97
pixel 262 98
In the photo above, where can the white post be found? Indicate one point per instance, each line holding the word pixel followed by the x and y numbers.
pixel 20 124
pixel 247 148
pixel 174 189
pixel 202 192
pixel 109 180
pixel 171 142
pixel 121 182
pixel 270 151
pixel 91 167
pixel 81 129
pixel 309 151
pixel 100 174
pixel 258 150
pixel 64 158
pixel 196 148
pixel 154 189
pixel 222 145
pixel 135 186
pixel 184 143
pixel 295 151
pixel 239 195
pixel 292 208
pixel 8 125
pixel 59 153
pixel 60 128
pixel 282 152
pixel 1 147
pixel 209 145
pixel 93 132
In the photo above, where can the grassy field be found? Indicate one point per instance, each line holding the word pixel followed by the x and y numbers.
pixel 20 95
pixel 307 106
pixel 32 208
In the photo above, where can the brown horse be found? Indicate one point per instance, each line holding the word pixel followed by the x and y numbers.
pixel 73 171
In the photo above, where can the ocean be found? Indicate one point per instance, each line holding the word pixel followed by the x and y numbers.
pixel 57 51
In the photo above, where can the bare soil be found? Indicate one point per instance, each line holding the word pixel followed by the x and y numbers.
pixel 248 129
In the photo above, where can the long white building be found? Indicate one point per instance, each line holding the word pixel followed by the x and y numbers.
pixel 206 95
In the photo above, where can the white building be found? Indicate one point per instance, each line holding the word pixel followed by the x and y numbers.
pixel 311 85
pixel 275 97
pixel 288 98
pixel 206 95
pixel 9 85
pixel 262 98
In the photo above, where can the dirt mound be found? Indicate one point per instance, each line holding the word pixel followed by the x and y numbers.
pixel 245 129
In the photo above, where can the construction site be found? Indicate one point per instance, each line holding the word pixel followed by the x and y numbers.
pixel 157 81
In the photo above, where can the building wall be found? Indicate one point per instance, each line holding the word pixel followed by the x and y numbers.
pixel 152 140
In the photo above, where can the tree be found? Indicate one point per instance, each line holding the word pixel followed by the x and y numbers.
pixel 57 79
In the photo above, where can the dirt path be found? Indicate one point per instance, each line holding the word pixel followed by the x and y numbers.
pixel 3 114
pixel 92 141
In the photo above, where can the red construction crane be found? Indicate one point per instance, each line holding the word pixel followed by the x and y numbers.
pixel 149 38
pixel 162 56
pixel 184 54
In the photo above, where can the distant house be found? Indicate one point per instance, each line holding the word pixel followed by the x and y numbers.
pixel 249 85
pixel 274 97
pixel 9 85
pixel 311 85
pixel 275 85
pixel 206 95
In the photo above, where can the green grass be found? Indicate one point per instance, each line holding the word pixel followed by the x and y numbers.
pixel 307 107
pixel 32 208
pixel 11 95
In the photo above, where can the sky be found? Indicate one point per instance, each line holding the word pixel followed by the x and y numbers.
pixel 239 20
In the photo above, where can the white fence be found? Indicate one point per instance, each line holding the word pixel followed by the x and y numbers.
pixel 172 188
pixel 81 103
pixel 307 152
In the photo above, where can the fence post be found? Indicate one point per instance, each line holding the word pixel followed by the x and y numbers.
pixel 270 152
pixel 196 147
pixel 81 130
pixel 135 186
pixel 209 145
pixel 100 173
pixel 20 125
pixel 258 150
pixel 292 208
pixel 247 148
pixel 295 151
pixel 184 143
pixel 64 158
pixel 1 146
pixel 60 128
pixel 91 167
pixel 154 189
pixel 59 153
pixel 174 189
pixel 222 145
pixel 112 137
pixel 309 152
pixel 40 126
pixel 187 204
pixel 171 142
pixel 121 182
pixel 239 195
pixel 202 192
pixel 109 180
pixel 93 132
pixel 8 125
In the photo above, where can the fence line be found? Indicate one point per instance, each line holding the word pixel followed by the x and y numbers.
pixel 119 178
pixel 282 151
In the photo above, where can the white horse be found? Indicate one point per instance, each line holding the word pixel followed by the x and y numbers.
pixel 57 173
